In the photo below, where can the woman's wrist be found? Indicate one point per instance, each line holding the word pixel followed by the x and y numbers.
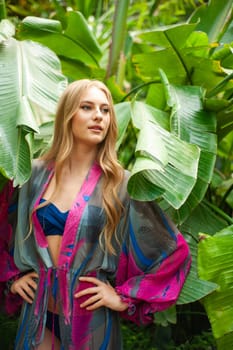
pixel 10 282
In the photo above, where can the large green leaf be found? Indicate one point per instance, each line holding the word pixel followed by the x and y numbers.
pixel 191 123
pixel 183 57
pixel 86 7
pixel 196 222
pixel 165 165
pixel 76 70
pixel 225 122
pixel 168 44
pixel 170 36
pixel 31 82
pixel 147 64
pixel 225 55
pixel 225 342
pixel 123 117
pixel 118 40
pixel 195 288
pixel 213 18
pixel 215 264
pixel 7 30
pixel 75 42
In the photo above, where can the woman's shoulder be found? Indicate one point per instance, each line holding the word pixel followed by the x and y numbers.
pixel 38 163
pixel 126 174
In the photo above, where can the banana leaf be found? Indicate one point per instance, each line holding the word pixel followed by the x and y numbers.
pixel 165 165
pixel 202 219
pixel 191 123
pixel 182 53
pixel 31 83
pixel 215 264
pixel 195 287
pixel 74 42
pixel 213 18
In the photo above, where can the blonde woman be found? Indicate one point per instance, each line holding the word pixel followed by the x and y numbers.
pixel 85 251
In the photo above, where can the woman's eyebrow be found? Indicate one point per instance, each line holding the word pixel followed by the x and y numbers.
pixel 86 101
pixel 93 103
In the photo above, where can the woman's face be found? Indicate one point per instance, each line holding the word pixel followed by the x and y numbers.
pixel 91 121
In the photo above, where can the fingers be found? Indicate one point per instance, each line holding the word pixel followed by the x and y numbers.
pixel 93 280
pixel 90 290
pixel 33 274
pixel 26 286
pixel 93 306
pixel 32 284
pixel 102 294
pixel 27 294
pixel 92 303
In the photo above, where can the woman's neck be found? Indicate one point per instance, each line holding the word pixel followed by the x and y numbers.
pixel 81 161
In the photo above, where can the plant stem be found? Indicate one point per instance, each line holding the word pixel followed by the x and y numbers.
pixel 136 88
pixel 219 212
pixel 2 9
pixel 118 36
pixel 226 195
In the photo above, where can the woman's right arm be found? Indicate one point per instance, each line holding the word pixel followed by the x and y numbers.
pixel 8 270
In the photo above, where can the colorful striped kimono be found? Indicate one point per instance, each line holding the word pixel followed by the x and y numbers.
pixel 148 270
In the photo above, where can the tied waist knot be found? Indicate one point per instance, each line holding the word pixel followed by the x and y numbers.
pixel 54 283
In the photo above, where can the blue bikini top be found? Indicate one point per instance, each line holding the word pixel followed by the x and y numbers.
pixel 51 219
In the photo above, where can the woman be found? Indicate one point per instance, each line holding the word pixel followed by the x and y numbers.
pixel 86 251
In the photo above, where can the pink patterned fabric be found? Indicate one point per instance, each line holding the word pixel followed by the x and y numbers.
pixel 81 318
pixel 155 292
pixel 148 271
pixel 8 270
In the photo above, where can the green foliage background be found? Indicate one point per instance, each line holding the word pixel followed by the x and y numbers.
pixel 169 66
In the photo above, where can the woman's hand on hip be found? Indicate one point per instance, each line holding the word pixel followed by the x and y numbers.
pixel 25 286
pixel 101 294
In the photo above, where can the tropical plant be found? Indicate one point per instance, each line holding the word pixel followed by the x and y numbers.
pixel 31 81
pixel 173 90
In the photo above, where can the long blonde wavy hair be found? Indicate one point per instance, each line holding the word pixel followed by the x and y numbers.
pixel 62 146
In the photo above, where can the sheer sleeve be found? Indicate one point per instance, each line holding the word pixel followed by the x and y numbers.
pixel 8 270
pixel 154 262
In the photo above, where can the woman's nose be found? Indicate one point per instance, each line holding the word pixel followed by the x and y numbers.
pixel 98 113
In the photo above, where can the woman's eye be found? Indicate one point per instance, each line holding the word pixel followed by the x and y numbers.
pixel 85 107
pixel 105 110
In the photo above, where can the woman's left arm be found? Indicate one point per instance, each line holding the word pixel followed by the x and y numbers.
pixel 153 266
pixel 154 263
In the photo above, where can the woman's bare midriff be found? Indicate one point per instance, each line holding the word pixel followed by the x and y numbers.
pixel 54 246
